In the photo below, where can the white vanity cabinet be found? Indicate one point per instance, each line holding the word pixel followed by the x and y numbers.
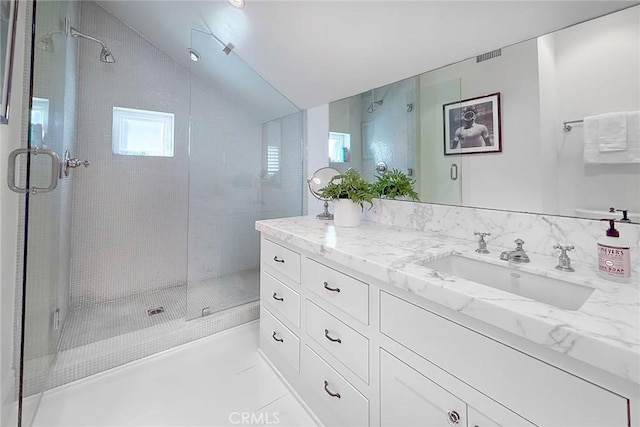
pixel 541 393
pixel 411 398
pixel 358 353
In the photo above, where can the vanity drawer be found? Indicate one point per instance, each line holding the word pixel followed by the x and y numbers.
pixel 280 339
pixel 345 292
pixel 347 345
pixel 280 298
pixel 334 401
pixel 282 261
pixel 539 392
pixel 408 398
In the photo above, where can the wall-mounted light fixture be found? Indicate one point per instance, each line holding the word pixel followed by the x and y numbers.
pixel 194 55
pixel 238 4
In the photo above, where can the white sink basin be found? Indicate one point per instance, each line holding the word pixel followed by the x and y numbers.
pixel 565 295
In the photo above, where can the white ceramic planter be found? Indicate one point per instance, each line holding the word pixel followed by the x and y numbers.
pixel 346 213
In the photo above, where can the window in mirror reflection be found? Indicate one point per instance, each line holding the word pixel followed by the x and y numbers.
pixel 39 121
pixel 339 147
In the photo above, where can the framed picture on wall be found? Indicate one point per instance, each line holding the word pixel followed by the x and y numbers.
pixel 472 126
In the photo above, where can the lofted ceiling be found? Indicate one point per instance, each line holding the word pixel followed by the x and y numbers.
pixel 315 52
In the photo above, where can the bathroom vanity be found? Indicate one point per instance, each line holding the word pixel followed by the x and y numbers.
pixel 367 330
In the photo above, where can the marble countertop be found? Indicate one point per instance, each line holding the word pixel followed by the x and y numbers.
pixel 603 332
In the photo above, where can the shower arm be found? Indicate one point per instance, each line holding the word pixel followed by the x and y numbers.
pixel 75 33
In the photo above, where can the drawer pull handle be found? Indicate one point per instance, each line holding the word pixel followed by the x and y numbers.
pixel 276 338
pixel 326 385
pixel 453 417
pixel 326 334
pixel 275 297
pixel 275 258
pixel 326 286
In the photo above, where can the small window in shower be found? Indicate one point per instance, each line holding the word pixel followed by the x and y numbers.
pixel 339 147
pixel 142 132
pixel 272 155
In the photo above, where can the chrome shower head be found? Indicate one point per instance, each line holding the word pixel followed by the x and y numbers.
pixel 46 43
pixel 371 108
pixel 106 56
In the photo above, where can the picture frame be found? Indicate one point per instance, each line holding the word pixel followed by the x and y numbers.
pixel 472 126
pixel 8 20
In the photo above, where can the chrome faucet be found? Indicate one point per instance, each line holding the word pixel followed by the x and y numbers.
pixel 482 244
pixel 517 255
pixel 564 262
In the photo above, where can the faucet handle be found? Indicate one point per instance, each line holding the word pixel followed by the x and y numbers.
pixel 564 249
pixel 564 262
pixel 482 244
pixel 624 215
pixel 519 243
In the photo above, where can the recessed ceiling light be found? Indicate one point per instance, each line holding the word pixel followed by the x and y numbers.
pixel 194 55
pixel 238 4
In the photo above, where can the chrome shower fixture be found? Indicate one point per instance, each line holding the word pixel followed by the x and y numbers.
pixel 46 42
pixel 105 54
pixel 228 48
pixel 371 108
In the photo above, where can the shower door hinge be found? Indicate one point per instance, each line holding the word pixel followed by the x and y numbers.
pixel 56 319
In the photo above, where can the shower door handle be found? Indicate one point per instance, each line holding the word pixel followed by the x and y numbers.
pixel 453 172
pixel 11 170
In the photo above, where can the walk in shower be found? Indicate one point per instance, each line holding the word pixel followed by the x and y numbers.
pixel 152 244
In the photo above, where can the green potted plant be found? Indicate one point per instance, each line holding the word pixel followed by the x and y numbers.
pixel 395 185
pixel 349 191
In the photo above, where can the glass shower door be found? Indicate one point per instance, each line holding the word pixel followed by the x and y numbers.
pixel 47 219
pixel 245 164
pixel 440 176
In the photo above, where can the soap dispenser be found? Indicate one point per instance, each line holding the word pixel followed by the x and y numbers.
pixel 614 260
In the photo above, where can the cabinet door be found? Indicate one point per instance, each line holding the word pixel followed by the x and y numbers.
pixel 500 417
pixel 407 398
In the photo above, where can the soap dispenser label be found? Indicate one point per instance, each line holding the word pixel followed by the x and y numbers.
pixel 614 261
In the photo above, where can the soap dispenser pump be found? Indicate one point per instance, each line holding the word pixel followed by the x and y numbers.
pixel 614 260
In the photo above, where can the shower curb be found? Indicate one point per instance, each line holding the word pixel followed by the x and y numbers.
pixel 81 362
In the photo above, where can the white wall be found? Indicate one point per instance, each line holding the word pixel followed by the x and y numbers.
pixel 317 134
pixel 10 139
pixel 597 69
pixel 487 178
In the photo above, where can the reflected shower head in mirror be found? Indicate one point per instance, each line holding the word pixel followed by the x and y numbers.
pixel 46 42
pixel 371 108
pixel 317 182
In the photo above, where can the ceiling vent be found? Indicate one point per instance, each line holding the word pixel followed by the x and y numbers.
pixel 489 55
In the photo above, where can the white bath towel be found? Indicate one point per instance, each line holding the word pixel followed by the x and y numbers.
pixel 612 131
pixel 592 152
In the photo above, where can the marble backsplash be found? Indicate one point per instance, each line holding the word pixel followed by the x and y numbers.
pixel 540 232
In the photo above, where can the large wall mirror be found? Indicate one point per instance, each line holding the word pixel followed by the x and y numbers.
pixel 542 166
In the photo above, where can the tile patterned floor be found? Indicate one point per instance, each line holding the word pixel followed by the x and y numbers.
pixel 103 321
pixel 209 382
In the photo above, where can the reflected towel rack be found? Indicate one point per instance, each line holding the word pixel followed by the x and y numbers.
pixel 567 125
